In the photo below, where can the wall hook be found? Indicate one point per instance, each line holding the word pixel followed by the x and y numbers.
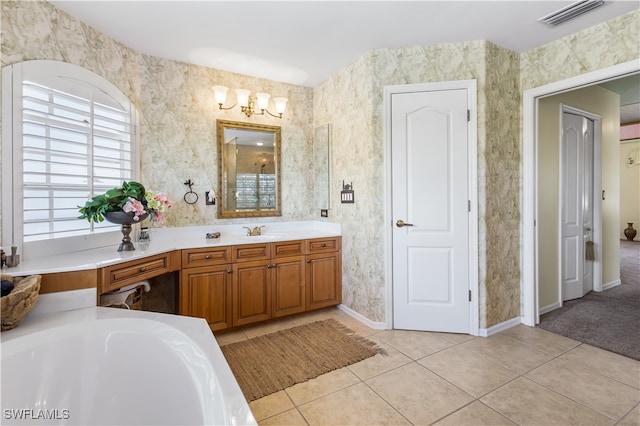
pixel 190 197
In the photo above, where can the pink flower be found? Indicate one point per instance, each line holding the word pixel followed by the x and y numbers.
pixel 134 206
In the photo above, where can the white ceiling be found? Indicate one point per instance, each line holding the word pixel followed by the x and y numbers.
pixel 305 42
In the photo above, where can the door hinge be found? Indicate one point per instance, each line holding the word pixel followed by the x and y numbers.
pixel 469 205
pixel 468 115
pixel 469 295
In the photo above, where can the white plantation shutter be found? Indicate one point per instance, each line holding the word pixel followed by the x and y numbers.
pixel 73 149
pixel 76 140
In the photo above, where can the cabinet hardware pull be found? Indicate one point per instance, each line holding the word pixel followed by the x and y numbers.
pixel 273 265
pixel 207 256
pixel 229 271
pixel 143 269
pixel 309 261
pixel 268 266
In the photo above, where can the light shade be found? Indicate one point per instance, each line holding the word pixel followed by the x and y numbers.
pixel 281 104
pixel 243 97
pixel 220 93
pixel 263 100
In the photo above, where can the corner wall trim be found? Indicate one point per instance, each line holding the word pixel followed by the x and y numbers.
pixel 550 307
pixel 376 325
pixel 486 332
pixel 611 284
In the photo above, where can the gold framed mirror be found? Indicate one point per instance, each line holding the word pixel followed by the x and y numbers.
pixel 248 170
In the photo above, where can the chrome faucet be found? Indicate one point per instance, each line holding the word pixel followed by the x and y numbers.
pixel 253 232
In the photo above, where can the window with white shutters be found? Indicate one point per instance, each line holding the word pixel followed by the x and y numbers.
pixel 73 148
pixel 75 140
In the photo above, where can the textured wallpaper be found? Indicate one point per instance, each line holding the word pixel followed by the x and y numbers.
pixel 358 144
pixel 176 109
pixel 177 128
pixel 609 43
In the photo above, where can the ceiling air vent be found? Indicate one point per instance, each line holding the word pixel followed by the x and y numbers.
pixel 569 12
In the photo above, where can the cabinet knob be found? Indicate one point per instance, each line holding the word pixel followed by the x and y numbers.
pixel 309 261
pixel 229 271
pixel 268 266
pixel 323 245
pixel 143 269
pixel 207 256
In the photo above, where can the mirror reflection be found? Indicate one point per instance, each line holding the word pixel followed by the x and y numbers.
pixel 248 169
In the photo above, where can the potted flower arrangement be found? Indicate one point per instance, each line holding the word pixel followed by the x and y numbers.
pixel 125 205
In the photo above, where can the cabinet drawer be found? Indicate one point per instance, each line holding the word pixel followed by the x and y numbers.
pixel 206 256
pixel 116 276
pixel 287 248
pixel 323 245
pixel 249 252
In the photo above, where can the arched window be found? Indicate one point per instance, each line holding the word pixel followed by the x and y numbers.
pixel 68 134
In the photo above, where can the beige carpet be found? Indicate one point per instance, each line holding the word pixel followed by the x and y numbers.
pixel 269 363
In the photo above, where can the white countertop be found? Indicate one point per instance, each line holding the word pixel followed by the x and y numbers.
pixel 168 239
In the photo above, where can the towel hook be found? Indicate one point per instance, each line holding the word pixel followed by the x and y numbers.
pixel 190 197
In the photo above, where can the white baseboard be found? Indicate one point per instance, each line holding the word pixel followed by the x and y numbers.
pixel 376 325
pixel 611 284
pixel 486 332
pixel 550 307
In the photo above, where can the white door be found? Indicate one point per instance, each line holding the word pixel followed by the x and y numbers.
pixel 429 148
pixel 577 204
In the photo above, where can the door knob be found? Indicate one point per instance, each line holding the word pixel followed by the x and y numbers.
pixel 400 223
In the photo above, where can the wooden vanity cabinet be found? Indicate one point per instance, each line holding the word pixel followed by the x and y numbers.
pixel 239 285
pixel 323 273
pixel 288 277
pixel 268 281
pixel 116 276
pixel 206 286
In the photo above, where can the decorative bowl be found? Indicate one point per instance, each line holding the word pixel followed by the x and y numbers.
pixel 124 218
pixel 17 304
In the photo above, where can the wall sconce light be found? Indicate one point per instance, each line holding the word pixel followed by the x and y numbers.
pixel 249 105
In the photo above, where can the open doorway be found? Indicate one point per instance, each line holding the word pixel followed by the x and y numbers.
pixel 531 186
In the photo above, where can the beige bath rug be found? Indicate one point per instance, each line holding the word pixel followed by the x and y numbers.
pixel 269 363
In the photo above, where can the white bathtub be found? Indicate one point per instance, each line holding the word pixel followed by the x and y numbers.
pixel 115 367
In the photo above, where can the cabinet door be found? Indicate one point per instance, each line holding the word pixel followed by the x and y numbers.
pixel 288 282
pixel 251 292
pixel 206 293
pixel 324 280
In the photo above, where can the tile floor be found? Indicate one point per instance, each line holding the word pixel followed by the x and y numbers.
pixel 524 376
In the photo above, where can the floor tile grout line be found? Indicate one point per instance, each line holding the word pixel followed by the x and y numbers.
pixel 614 419
pixel 627 413
pixel 302 415
pixel 600 373
pixel 486 358
pixel 389 403
pixel 326 394
pixel 476 398
pixel 480 354
pixel 567 396
pixel 542 350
